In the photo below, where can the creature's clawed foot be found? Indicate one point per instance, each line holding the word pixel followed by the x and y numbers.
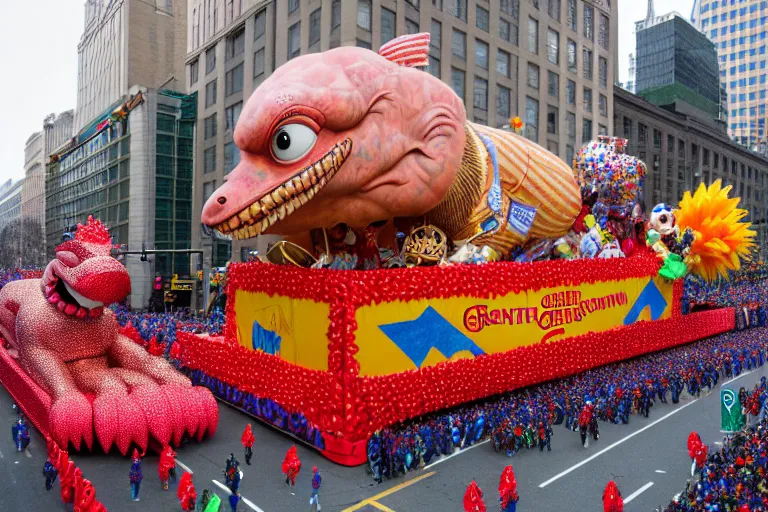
pixel 71 420
pixel 118 419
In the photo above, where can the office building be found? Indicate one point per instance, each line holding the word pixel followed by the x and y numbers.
pixel 676 63
pixel 130 160
pixel 681 150
pixel 738 30
pixel 125 43
pixel 551 62
pixel 33 192
pixel 10 202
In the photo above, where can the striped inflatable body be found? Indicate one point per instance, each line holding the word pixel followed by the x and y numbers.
pixel 529 174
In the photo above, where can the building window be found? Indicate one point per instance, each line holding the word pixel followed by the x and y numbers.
pixel 335 14
pixel 587 99
pixel 194 71
pixel 553 84
pixel 481 53
pixel 210 126
pixel 503 110
pixel 670 143
pixel 572 59
pixel 232 114
pixel 570 92
pixel 434 66
pixel 234 80
pixel 210 60
pixel 570 121
pixel 502 63
pixel 656 139
pixel 602 71
pixel 314 27
pixel 457 82
pixel 364 14
pixel 260 24
pixel 435 35
pixel 231 157
pixel 294 40
pixel 603 34
pixel 587 58
pixel 533 75
pixel 589 26
pixel 586 130
pixel 553 46
pixel 210 93
pixel 459 9
pixel 292 5
pixel 603 105
pixel 533 36
pixel 388 25
pixel 511 7
pixel 236 44
pixel 481 18
pixel 208 188
pixel 209 158
pixel 459 44
pixel 363 44
pixel 508 31
pixel 258 63
pixel 552 119
pixel 481 93
pixel 553 9
pixel 571 15
pixel 642 133
pixel 531 119
pixel 411 27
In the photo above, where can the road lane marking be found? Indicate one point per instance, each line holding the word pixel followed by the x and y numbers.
pixel 719 443
pixel 242 498
pixel 660 471
pixel 638 492
pixel 392 490
pixel 459 452
pixel 614 445
pixel 376 504
pixel 736 378
pixel 184 467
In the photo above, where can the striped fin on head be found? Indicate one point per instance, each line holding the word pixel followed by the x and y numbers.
pixel 411 50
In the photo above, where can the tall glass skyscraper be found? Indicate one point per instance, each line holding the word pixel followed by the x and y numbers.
pixel 738 29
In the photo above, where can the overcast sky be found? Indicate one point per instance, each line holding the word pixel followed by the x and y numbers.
pixel 39 62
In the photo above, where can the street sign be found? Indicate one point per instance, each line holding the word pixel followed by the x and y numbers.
pixel 731 419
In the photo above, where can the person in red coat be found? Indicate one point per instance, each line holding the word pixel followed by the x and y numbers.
pixel 291 467
pixel 247 439
pixel 166 467
pixel 186 493
pixel 508 490
pixel 473 499
pixel 612 500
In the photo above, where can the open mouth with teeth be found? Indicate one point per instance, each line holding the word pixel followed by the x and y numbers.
pixel 285 199
pixel 70 302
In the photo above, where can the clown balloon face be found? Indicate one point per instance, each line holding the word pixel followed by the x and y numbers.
pixel 662 219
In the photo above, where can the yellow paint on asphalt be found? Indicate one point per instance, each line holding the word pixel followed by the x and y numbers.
pixel 372 500
pixel 376 504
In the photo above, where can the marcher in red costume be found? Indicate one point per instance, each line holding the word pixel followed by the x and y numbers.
pixel 186 493
pixel 473 499
pixel 291 466
pixel 697 450
pixel 247 439
pixel 612 500
pixel 508 490
pixel 166 467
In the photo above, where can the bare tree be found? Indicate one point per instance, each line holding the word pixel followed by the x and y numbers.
pixel 22 244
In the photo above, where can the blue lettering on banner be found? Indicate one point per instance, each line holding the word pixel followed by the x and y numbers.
pixel 520 218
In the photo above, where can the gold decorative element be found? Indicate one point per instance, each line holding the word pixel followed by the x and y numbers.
pixel 425 245
pixel 284 252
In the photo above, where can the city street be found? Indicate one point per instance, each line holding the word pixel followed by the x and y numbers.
pixel 648 460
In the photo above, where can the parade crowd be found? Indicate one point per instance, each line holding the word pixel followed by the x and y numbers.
pixel 525 419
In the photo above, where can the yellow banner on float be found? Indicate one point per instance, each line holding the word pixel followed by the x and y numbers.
pixel 294 329
pixel 398 336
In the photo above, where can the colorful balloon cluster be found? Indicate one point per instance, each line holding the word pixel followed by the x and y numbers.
pixel 604 169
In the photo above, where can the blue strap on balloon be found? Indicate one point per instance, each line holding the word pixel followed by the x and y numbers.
pixel 494 194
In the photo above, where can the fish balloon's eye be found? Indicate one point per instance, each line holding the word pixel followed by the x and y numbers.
pixel 292 141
